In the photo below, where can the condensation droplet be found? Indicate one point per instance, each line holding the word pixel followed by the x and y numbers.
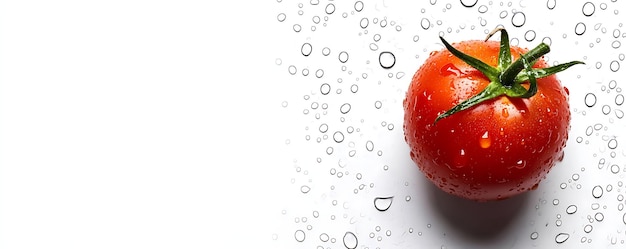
pixel 551 4
pixel 350 240
pixel 299 235
pixel 580 28
pixel 483 9
pixel 306 49
pixel 590 99
pixel 561 237
pixel 330 8
pixel 358 6
pixel 588 9
pixel 469 3
pixel 571 209
pixel 597 191
pixel 534 235
pixel 343 56
pixel 518 19
pixel 305 189
pixel 530 35
pixel 387 60
pixel 369 145
pixel 345 108
pixel 614 66
pixel 425 23
pixel 383 203
pixel 338 137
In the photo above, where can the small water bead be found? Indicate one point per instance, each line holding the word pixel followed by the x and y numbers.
pixel 281 17
pixel 612 144
pixel 561 237
pixel 504 14
pixel 338 137
pixel 590 99
pixel 555 202
pixel 563 185
pixel 297 28
pixel 305 189
pixel 588 228
pixel 364 22
pixel 343 57
pixel 358 6
pixel 324 237
pixel 319 73
pixel 387 60
pixel 345 108
pixel 580 28
pixel 350 240
pixel 614 66
pixel 597 191
pixel 469 3
pixel 325 51
pixel 588 9
pixel 530 35
pixel 330 8
pixel 551 4
pixel 571 209
pixel 425 23
pixel 483 9
pixel 369 145
pixel 383 203
pixel 299 235
pixel 547 40
pixel 518 19
pixel 534 235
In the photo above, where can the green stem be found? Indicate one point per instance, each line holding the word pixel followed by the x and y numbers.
pixel 506 78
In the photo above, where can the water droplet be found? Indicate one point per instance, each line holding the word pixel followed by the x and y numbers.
pixel 551 4
pixel 383 203
pixel 588 9
pixel 345 108
pixel 323 128
pixel 343 56
pixel 364 22
pixel 534 235
pixel 324 237
pixel 425 23
pixel 518 19
pixel 588 228
pixel 571 209
pixel 485 141
pixel 469 3
pixel 306 49
pixel 319 73
pixel 482 9
pixel 561 237
pixel 599 216
pixel 530 35
pixel 358 6
pixel 297 28
pixel 449 69
pixel 305 189
pixel 369 145
pixel 614 66
pixel 597 191
pixel 387 60
pixel 612 144
pixel 299 235
pixel 325 89
pixel 378 104
pixel 590 99
pixel 326 51
pixel 338 137
pixel 350 241
pixel 330 8
pixel 580 28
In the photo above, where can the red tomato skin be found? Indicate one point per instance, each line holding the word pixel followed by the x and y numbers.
pixel 494 150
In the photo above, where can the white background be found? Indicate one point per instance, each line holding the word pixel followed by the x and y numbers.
pixel 134 124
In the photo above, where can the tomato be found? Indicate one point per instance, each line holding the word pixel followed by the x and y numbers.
pixel 486 131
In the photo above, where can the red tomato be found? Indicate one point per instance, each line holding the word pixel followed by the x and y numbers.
pixel 494 149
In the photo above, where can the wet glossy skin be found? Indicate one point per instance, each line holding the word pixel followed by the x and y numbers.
pixel 495 150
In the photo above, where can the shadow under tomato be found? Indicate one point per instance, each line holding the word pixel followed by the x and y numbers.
pixel 481 221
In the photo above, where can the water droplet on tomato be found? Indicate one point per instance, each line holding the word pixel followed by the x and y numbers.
pixel 505 112
pixel 383 203
pixel 449 69
pixel 520 164
pixel 485 141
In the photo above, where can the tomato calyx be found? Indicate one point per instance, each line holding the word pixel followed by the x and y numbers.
pixel 507 78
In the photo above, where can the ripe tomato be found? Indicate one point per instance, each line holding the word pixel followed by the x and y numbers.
pixel 506 124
